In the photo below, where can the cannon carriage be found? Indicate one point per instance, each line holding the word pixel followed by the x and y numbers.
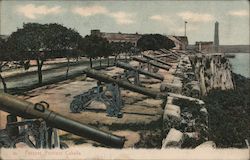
pixel 107 84
pixel 109 94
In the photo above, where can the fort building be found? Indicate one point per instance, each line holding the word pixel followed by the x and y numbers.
pixel 118 37
pixel 204 47
pixel 181 42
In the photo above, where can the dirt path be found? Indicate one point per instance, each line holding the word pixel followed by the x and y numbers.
pixel 29 81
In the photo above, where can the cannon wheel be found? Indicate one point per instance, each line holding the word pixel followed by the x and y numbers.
pixel 76 106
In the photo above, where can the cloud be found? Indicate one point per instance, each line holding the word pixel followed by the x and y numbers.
pixel 122 17
pixel 156 17
pixel 166 19
pixel 32 12
pixel 239 13
pixel 180 30
pixel 173 24
pixel 195 17
pixel 90 11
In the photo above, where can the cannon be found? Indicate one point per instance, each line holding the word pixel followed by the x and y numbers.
pixel 156 59
pixel 163 55
pixel 130 71
pixel 167 58
pixel 107 84
pixel 150 63
pixel 41 113
pixel 168 55
pixel 123 84
pixel 173 53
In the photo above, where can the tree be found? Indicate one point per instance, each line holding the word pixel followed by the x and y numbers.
pixel 116 48
pixel 94 46
pixel 128 47
pixel 30 41
pixel 108 52
pixel 3 61
pixel 39 41
pixel 121 47
pixel 154 42
pixel 7 56
pixel 64 40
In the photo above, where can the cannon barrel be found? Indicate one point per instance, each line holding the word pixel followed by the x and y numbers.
pixel 173 53
pixel 163 55
pixel 25 109
pixel 124 84
pixel 167 55
pixel 143 60
pixel 157 60
pixel 131 68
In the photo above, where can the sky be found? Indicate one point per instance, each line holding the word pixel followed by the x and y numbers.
pixel 164 17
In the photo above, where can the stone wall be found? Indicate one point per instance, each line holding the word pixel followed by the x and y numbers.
pixel 185 118
pixel 213 71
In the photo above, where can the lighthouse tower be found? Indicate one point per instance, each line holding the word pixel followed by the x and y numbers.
pixel 216 37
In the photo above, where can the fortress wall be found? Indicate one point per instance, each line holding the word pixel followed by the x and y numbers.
pixel 213 71
pixel 185 118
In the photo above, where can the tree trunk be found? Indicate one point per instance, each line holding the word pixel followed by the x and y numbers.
pixel 90 62
pixel 39 70
pixel 108 61
pixel 4 84
pixel 100 61
pixel 67 72
pixel 115 59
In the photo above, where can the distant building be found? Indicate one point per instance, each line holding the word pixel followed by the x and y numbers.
pixel 118 37
pixel 205 47
pixel 181 42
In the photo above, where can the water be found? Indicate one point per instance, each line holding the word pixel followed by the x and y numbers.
pixel 241 63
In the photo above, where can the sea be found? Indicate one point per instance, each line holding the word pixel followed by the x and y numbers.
pixel 240 63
